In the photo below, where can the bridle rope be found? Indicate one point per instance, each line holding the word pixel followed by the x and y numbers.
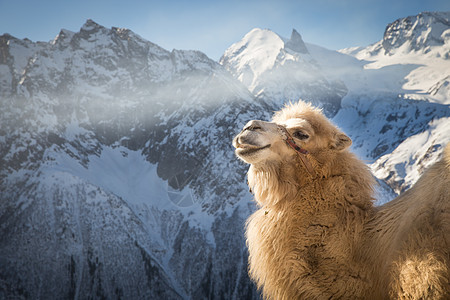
pixel 300 151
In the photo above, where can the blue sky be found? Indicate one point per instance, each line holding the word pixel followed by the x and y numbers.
pixel 212 26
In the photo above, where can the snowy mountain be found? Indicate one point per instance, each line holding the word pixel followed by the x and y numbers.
pixel 118 178
pixel 117 174
pixel 419 33
pixel 421 45
pixel 404 82
pixel 277 70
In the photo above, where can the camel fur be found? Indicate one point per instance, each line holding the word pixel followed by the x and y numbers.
pixel 319 236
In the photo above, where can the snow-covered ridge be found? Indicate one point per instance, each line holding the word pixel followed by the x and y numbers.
pixel 421 46
pixel 426 35
pixel 418 33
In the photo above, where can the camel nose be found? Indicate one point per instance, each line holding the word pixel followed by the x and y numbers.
pixel 253 125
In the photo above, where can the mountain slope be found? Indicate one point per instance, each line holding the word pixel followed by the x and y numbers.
pixel 112 154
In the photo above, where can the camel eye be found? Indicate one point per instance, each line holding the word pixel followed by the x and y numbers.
pixel 300 135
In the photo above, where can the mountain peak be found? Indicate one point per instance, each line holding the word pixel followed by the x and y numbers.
pixel 90 25
pixel 296 43
pixel 415 33
pixel 278 69
pixel 63 36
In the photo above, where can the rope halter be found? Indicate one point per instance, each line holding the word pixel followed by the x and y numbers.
pixel 300 151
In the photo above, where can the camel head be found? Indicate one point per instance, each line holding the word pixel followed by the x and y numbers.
pixel 263 143
pixel 278 168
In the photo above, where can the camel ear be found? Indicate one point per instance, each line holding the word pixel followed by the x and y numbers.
pixel 341 141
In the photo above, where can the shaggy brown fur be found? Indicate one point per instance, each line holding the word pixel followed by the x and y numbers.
pixel 320 237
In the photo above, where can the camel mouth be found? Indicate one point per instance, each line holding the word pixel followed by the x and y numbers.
pixel 244 150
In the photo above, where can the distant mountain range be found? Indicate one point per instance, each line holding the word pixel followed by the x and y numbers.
pixel 117 174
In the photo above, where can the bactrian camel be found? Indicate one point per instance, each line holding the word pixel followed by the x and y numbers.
pixel 317 234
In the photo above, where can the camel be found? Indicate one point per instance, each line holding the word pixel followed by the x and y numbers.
pixel 316 233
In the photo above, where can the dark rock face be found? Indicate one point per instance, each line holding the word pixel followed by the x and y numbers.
pixel 296 43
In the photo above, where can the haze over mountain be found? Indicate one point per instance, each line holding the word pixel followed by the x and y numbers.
pixel 118 178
